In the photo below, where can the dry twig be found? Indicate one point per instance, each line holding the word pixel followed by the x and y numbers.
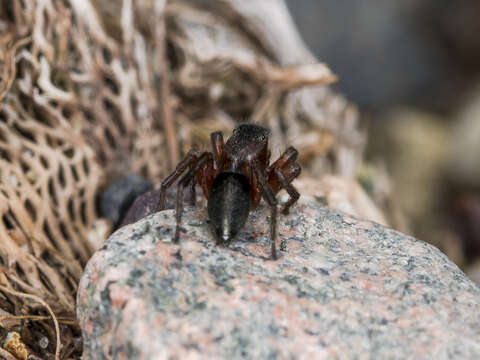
pixel 41 301
pixel 5 355
pixel 9 67
pixel 165 100
pixel 38 318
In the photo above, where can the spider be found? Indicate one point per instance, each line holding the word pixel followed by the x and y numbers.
pixel 234 177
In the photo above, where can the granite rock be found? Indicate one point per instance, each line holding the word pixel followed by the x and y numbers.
pixel 342 289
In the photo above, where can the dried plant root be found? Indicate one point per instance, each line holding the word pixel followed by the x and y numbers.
pixel 49 309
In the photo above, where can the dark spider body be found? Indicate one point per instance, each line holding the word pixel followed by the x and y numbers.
pixel 234 177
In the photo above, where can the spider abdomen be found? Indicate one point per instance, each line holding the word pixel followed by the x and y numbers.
pixel 229 204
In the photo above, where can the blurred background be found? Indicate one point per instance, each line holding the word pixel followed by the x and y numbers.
pixel 413 68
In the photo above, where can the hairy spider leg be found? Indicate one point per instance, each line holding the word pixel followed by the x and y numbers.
pixel 289 156
pixel 269 197
pixel 179 170
pixel 192 194
pixel 294 195
pixel 216 139
pixel 185 180
pixel 207 175
pixel 281 173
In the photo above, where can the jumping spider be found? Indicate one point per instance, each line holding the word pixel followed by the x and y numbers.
pixel 234 177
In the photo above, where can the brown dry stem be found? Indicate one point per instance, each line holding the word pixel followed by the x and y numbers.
pixel 49 309
pixel 9 68
pixel 37 318
pixel 165 100
pixel 5 355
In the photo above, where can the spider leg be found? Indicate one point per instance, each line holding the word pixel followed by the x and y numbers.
pixel 282 172
pixel 269 197
pixel 192 194
pixel 288 157
pixel 294 195
pixel 206 176
pixel 182 184
pixel 179 170
pixel 216 139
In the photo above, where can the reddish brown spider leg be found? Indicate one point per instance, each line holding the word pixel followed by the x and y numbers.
pixel 206 176
pixel 289 156
pixel 269 197
pixel 179 170
pixel 216 139
pixel 182 184
pixel 192 194
pixel 294 195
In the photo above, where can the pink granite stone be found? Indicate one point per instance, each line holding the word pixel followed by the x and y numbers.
pixel 342 289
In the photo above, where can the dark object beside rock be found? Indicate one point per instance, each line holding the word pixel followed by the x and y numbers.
pixel 143 205
pixel 119 196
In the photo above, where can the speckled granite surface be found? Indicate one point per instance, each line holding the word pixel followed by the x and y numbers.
pixel 343 289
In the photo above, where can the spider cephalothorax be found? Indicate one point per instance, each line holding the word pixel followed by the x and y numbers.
pixel 234 177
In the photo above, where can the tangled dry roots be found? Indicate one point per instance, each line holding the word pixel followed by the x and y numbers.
pixel 79 105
